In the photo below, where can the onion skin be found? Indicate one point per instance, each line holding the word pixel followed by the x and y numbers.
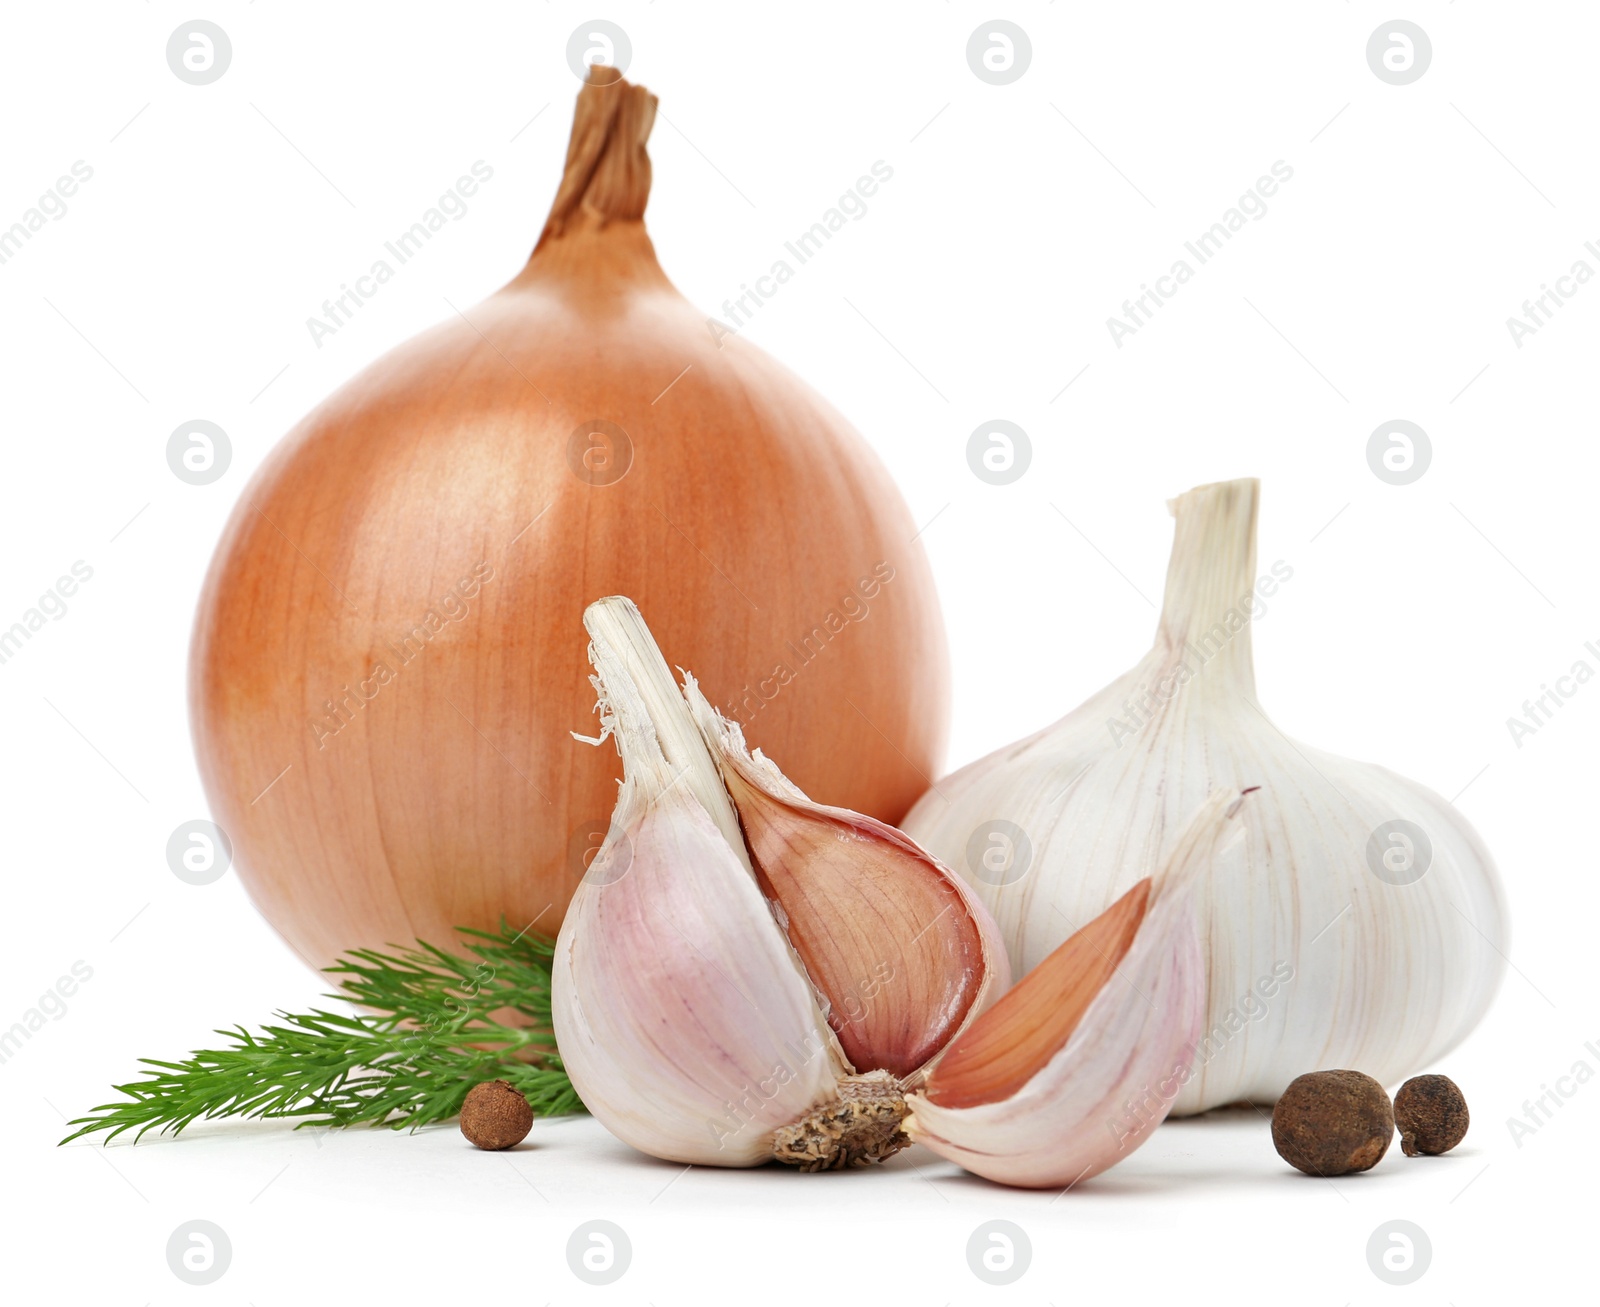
pixel 453 793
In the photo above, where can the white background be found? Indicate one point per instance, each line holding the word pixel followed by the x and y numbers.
pixel 1019 218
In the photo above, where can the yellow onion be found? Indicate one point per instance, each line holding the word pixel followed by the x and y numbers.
pixel 382 681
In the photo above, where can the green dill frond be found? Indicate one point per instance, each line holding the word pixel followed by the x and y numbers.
pixel 437 1024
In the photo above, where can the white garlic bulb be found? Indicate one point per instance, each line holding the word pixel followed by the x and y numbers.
pixel 724 1003
pixel 1363 928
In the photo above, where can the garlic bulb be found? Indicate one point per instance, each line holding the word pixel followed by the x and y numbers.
pixel 1365 925
pixel 1072 1069
pixel 721 1003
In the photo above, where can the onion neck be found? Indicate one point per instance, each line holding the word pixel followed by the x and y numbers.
pixel 607 175
pixel 595 233
pixel 1206 611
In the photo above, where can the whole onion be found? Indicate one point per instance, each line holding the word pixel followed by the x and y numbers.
pixel 389 652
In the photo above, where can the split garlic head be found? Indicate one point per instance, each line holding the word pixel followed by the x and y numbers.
pixel 1364 925
pixel 744 975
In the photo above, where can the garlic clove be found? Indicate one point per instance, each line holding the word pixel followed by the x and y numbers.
pixel 1036 1018
pixel 1072 1069
pixel 901 951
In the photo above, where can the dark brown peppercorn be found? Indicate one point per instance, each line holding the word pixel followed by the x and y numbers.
pixel 1431 1114
pixel 495 1115
pixel 1332 1123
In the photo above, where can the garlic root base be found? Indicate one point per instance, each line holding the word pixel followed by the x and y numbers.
pixel 859 1127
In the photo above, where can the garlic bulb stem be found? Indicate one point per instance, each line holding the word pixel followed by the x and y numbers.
pixel 1211 572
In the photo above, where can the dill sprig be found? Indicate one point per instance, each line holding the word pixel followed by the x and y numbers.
pixel 436 1027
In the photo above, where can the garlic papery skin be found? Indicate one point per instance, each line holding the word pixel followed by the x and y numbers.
pixel 1073 1068
pixel 1337 939
pixel 723 1002
pixel 849 889
pixel 686 1049
pixel 682 1017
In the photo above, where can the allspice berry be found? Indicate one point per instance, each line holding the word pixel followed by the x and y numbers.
pixel 1431 1114
pixel 495 1115
pixel 1332 1123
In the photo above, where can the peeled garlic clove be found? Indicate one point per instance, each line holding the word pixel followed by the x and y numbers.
pixel 1074 1067
pixel 1363 927
pixel 901 950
